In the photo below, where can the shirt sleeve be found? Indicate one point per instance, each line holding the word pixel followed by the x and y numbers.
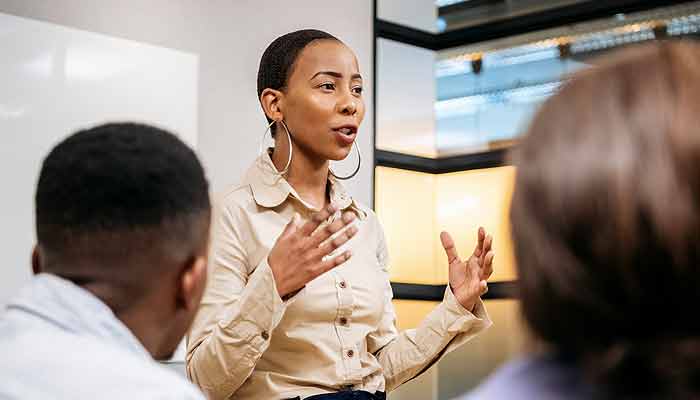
pixel 405 355
pixel 237 315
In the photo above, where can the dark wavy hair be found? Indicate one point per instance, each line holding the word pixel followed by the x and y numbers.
pixel 277 62
pixel 606 221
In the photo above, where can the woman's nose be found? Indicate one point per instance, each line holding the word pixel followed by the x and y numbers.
pixel 348 107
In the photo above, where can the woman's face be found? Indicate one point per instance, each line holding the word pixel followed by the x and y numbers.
pixel 322 104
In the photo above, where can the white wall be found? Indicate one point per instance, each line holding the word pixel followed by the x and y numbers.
pixel 229 36
pixel 56 80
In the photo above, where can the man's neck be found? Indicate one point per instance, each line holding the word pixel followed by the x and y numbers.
pixel 147 330
pixel 143 325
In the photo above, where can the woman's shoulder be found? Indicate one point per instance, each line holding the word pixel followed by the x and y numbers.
pixel 235 198
pixel 235 194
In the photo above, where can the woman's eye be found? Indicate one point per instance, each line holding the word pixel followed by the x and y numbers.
pixel 357 90
pixel 328 86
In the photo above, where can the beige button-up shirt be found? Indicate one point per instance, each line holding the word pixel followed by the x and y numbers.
pixel 337 333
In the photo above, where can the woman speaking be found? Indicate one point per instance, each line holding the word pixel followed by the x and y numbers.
pixel 299 302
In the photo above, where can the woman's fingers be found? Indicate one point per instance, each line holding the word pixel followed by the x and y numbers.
pixel 317 219
pixel 321 235
pixel 480 235
pixel 487 268
pixel 484 287
pixel 333 262
pixel 449 245
pixel 487 244
pixel 332 244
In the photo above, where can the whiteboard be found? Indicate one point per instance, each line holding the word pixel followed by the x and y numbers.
pixel 55 80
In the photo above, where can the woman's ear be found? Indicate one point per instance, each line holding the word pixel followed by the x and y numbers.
pixel 270 100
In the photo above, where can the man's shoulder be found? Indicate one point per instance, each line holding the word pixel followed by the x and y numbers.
pixel 153 379
pixel 80 367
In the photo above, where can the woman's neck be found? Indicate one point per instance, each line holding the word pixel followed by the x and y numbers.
pixel 307 174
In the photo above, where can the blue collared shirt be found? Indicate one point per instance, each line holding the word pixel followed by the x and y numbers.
pixel 543 377
pixel 59 341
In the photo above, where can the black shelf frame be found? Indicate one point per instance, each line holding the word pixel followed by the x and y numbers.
pixel 416 291
pixel 444 165
pixel 516 25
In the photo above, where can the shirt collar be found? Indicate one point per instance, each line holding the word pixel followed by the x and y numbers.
pixel 71 308
pixel 270 189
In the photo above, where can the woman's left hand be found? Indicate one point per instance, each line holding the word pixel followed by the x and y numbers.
pixel 468 278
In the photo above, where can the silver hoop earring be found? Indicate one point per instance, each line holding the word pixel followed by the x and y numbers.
pixel 357 169
pixel 289 139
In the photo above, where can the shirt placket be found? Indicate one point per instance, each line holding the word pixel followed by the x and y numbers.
pixel 349 351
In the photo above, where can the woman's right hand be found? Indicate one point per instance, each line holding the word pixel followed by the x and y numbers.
pixel 299 254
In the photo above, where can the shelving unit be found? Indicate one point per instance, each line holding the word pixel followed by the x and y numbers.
pixel 469 137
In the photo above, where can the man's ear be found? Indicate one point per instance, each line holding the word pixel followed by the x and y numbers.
pixel 36 260
pixel 192 282
pixel 270 100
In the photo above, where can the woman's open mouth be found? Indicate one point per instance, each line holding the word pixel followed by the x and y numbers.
pixel 345 134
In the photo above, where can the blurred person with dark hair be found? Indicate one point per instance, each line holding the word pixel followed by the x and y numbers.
pixel 122 222
pixel 606 228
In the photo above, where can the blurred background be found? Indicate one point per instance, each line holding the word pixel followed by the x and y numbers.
pixel 457 82
pixel 449 87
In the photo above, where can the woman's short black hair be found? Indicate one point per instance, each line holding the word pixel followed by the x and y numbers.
pixel 279 57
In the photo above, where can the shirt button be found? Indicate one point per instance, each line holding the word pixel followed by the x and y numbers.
pixel 343 285
pixel 343 321
pixel 350 353
pixel 265 335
